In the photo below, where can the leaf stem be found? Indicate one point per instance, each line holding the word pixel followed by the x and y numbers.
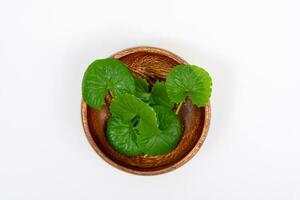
pixel 178 108
pixel 111 94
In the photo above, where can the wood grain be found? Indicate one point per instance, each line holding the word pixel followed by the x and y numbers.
pixel 152 64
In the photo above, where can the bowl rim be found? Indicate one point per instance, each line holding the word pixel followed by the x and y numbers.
pixel 174 166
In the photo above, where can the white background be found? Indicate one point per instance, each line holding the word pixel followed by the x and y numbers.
pixel 251 48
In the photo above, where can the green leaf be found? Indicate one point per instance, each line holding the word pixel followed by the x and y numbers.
pixel 122 136
pixel 127 107
pixel 141 89
pixel 159 95
pixel 168 137
pixel 103 76
pixel 191 81
pixel 137 128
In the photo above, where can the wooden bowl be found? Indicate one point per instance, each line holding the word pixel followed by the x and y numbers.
pixel 152 64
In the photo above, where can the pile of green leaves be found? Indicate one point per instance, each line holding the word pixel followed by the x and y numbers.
pixel 143 121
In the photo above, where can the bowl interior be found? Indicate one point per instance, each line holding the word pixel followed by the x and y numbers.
pixel 151 64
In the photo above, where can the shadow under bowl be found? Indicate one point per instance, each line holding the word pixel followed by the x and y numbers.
pixel 152 64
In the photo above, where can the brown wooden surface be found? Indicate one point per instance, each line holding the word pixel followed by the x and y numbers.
pixel 152 64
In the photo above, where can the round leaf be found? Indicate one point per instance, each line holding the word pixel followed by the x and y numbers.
pixel 191 81
pixel 127 107
pixel 168 137
pixel 122 136
pixel 103 76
